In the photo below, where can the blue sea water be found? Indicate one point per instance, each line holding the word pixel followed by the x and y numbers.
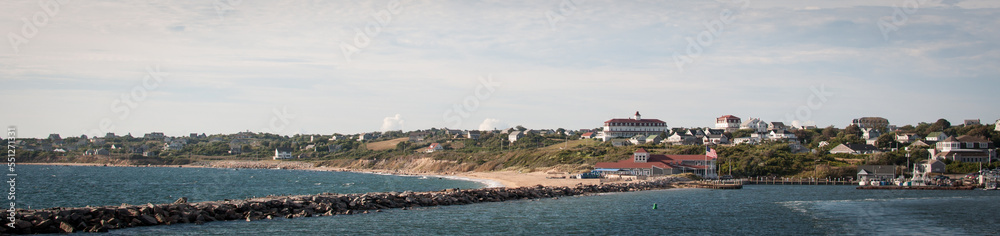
pixel 754 210
pixel 77 186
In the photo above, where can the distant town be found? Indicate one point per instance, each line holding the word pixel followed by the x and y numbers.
pixel 632 145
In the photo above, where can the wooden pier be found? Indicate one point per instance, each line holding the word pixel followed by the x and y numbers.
pixel 797 182
pixel 728 185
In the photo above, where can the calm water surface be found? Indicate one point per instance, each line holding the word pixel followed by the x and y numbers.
pixel 755 210
pixel 76 186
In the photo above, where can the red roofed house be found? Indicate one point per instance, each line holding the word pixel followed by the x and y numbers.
pixel 434 147
pixel 630 127
pixel 643 163
pixel 728 122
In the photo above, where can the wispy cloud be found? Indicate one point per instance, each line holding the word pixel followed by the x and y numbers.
pixel 609 58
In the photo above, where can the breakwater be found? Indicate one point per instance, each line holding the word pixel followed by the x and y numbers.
pixel 102 219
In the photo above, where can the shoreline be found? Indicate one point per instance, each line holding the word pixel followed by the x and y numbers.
pixel 495 179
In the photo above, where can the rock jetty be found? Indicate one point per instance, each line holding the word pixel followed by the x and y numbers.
pixel 102 219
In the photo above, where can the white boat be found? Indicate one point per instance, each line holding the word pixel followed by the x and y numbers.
pixel 991 186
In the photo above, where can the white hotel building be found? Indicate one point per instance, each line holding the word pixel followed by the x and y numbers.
pixel 627 128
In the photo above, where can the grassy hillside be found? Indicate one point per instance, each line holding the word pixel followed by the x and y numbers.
pixel 385 145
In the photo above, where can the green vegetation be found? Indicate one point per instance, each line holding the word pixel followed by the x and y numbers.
pixel 491 151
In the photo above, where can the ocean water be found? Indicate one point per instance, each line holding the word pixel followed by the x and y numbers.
pixel 77 186
pixel 754 210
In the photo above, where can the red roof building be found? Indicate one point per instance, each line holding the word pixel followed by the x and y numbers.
pixel 645 164
pixel 629 127
pixel 434 147
pixel 728 122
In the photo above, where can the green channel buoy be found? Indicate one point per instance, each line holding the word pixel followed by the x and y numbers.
pixel 655 206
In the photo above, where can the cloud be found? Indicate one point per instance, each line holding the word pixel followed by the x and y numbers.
pixel 392 123
pixel 490 124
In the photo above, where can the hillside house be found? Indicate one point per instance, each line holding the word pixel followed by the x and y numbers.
pixel 715 139
pixel 629 127
pixel 965 149
pixel 756 125
pixel 936 136
pixel 434 147
pixel 638 139
pixel 729 123
pixel 907 137
pixel 282 153
pixel 514 136
pixel 418 136
pixel 683 139
pixel 154 136
pixel 854 148
pixel 781 135
pixel 777 126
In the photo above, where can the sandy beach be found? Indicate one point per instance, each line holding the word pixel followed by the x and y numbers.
pixel 490 179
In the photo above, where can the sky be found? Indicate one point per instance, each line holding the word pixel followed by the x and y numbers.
pixel 322 67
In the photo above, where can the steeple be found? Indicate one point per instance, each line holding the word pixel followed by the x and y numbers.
pixel 637 116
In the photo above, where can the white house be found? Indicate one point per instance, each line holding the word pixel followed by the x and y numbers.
pixel 638 139
pixel 515 135
pixel 472 134
pixel 781 135
pixel 907 137
pixel 965 149
pixel 683 139
pixel 715 139
pixel 997 128
pixel 628 127
pixel 434 147
pixel 173 145
pixel 870 135
pixel 927 167
pixel 368 136
pixel 936 136
pixel 747 140
pixel 755 124
pixel 854 148
pixel 282 153
pixel 729 123
pixel 777 126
